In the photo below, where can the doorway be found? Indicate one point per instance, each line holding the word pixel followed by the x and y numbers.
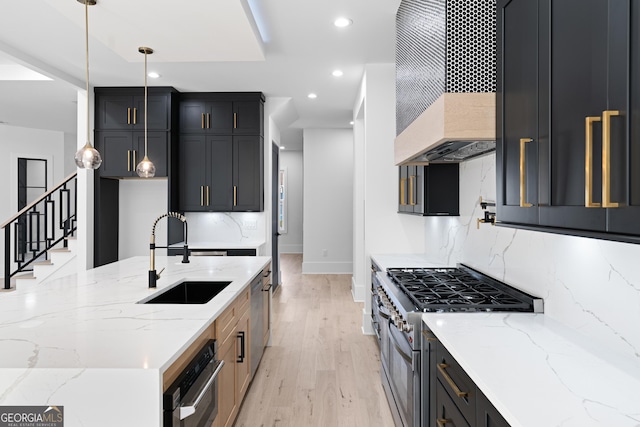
pixel 275 251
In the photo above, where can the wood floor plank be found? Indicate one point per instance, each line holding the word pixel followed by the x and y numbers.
pixel 320 370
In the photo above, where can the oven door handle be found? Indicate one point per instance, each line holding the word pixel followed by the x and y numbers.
pixel 405 356
pixel 190 409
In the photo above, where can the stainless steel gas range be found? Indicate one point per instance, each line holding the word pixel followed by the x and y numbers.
pixel 399 296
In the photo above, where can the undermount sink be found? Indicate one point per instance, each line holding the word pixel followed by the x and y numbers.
pixel 189 292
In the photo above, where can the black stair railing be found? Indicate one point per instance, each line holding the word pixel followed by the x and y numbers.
pixel 40 226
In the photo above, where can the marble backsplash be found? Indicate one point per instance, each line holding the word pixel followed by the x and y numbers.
pixel 233 227
pixel 591 285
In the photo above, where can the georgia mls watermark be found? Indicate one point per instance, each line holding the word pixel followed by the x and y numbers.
pixel 31 416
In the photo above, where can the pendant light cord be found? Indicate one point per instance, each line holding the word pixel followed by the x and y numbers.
pixel 86 26
pixel 145 102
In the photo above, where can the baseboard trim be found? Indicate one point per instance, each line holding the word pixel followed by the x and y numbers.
pixel 327 268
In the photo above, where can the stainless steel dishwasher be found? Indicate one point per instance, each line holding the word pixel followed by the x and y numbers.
pixel 257 344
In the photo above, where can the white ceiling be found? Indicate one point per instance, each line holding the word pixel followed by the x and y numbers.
pixel 284 48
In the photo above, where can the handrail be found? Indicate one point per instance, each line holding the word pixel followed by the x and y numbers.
pixel 39 227
pixel 39 199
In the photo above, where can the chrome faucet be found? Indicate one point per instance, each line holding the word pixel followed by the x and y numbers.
pixel 153 276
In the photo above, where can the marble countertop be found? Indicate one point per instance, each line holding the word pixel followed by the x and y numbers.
pixel 82 342
pixel 537 372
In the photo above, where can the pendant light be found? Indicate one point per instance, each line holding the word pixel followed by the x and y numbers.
pixel 145 168
pixel 87 157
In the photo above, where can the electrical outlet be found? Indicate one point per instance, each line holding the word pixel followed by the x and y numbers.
pixel 250 224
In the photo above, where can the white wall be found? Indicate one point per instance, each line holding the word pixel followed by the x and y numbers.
pixel 383 230
pixel 141 201
pixel 328 206
pixel 291 242
pixel 589 284
pixel 18 142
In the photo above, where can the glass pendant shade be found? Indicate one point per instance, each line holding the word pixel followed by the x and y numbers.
pixel 88 157
pixel 145 168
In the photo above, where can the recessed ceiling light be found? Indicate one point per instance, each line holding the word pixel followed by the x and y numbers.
pixel 312 96
pixel 337 73
pixel 153 75
pixel 351 122
pixel 342 22
pixel 282 147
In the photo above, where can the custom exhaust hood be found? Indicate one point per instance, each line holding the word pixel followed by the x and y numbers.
pixel 454 128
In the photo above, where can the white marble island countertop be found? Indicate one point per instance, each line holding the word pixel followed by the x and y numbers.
pixel 82 342
pixel 537 372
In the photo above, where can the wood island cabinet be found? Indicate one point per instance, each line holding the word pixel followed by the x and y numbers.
pixel 568 122
pixel 233 328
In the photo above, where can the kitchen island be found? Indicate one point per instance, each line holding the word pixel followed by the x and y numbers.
pixel 84 343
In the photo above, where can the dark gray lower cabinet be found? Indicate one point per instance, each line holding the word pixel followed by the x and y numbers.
pixel 458 401
pixel 219 173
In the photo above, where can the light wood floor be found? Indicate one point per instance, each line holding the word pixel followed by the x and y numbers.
pixel 320 370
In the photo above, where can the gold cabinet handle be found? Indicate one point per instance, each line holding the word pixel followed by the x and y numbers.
pixel 135 116
pixel 523 174
pixel 135 160
pixel 128 116
pixel 403 184
pixel 128 160
pixel 208 120
pixel 588 163
pixel 202 195
pixel 606 159
pixel 412 200
pixel 202 121
pixel 442 421
pixel 208 196
pixel 235 120
pixel 235 195
pixel 442 368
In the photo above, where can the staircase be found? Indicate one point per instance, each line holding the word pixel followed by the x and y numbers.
pixel 38 241
pixel 61 262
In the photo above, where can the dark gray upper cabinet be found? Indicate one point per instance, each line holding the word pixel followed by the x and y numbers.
pixel 567 151
pixel 431 190
pixel 123 108
pixel 119 134
pixel 121 152
pixel 222 113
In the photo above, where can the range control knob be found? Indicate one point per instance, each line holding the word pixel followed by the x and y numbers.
pixel 407 327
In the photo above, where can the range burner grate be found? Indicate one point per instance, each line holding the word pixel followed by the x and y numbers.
pixel 457 289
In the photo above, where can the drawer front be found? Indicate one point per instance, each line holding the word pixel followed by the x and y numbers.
pixel 456 382
pixel 447 413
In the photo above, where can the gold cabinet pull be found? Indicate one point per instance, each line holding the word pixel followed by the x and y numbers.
pixel 128 116
pixel 202 195
pixel 523 174
pixel 235 195
pixel 208 196
pixel 442 421
pixel 606 159
pixel 235 120
pixel 588 163
pixel 128 160
pixel 208 120
pixel 135 116
pixel 403 184
pixel 412 200
pixel 135 160
pixel 442 368
pixel 202 121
